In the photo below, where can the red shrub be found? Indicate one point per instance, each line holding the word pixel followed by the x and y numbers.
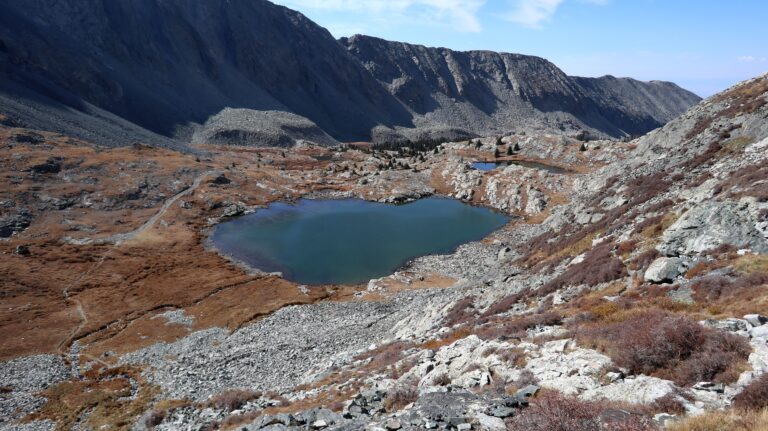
pixel 670 346
pixel 714 287
pixel 461 312
pixel 669 404
pixel 503 305
pixel 754 396
pixel 554 412
pixel 233 399
pixel 599 266
pixel 399 397
pixel 645 187
pixel 517 326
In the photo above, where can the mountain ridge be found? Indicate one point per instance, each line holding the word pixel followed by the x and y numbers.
pixel 114 72
pixel 488 79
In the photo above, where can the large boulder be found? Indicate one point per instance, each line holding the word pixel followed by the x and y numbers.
pixel 711 224
pixel 664 270
pixel 639 389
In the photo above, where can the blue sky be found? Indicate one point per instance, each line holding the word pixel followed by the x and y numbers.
pixel 704 46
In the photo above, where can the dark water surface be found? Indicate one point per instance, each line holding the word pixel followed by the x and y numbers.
pixel 350 241
pixel 489 166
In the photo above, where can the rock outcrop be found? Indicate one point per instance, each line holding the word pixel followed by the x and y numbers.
pixel 488 93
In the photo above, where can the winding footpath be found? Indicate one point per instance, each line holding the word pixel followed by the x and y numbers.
pixel 116 240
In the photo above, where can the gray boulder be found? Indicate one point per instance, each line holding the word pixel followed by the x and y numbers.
pixel 664 270
pixel 711 224
pixel 756 319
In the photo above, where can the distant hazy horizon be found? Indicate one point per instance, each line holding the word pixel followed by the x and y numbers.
pixel 704 47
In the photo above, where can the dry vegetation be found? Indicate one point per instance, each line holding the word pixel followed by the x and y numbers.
pixel 232 399
pixel 754 396
pixel 107 396
pixel 553 412
pixel 400 397
pixel 670 346
pixel 730 420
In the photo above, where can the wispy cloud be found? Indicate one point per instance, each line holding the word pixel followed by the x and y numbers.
pixel 752 59
pixel 532 13
pixel 459 14
pixel 535 13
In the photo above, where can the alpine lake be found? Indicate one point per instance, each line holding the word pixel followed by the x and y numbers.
pixel 350 241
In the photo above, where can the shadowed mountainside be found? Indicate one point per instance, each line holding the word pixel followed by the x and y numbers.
pixel 487 92
pixel 118 72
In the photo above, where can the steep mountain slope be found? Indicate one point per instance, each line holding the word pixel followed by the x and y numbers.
pixel 162 64
pixel 119 71
pixel 486 92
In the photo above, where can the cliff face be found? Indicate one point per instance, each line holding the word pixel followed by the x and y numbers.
pixel 162 64
pixel 487 92
pixel 119 71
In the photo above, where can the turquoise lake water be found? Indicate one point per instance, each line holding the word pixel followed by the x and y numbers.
pixel 489 166
pixel 350 241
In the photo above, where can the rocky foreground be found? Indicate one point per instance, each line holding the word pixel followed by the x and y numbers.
pixel 629 292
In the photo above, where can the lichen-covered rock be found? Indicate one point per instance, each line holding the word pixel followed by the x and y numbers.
pixel 714 223
pixel 638 389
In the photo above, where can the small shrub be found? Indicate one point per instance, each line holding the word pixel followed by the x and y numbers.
pixel 703 158
pixel 442 380
pixel 599 266
pixel 554 412
pixel 385 355
pixel 232 399
pixel 754 396
pixel 669 404
pixel 503 305
pixel 714 287
pixel 461 312
pixel 399 397
pixel 516 327
pixel 154 418
pixel 526 378
pixel 514 356
pixel 670 346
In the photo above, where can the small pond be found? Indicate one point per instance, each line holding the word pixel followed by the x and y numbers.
pixel 489 166
pixel 350 241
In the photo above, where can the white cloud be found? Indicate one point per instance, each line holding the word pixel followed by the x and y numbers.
pixel 532 13
pixel 460 14
pixel 752 59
